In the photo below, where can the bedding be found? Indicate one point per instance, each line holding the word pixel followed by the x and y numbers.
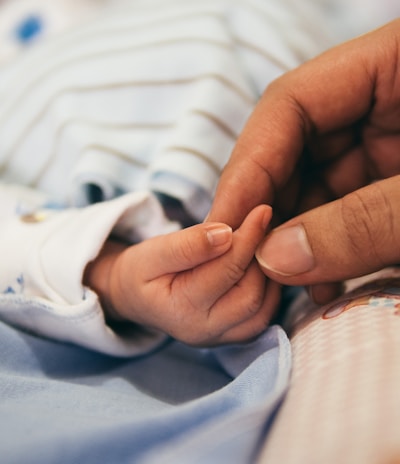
pixel 343 403
pixel 62 404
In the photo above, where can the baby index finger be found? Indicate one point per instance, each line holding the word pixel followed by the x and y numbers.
pixel 206 283
pixel 184 249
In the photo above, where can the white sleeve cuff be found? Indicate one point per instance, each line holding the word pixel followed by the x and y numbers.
pixel 44 256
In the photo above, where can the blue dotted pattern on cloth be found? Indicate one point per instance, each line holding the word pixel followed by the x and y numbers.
pixel 29 28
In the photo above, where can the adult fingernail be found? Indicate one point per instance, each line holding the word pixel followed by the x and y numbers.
pixel 219 235
pixel 286 252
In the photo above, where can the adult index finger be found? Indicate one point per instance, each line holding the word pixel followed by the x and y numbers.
pixel 332 91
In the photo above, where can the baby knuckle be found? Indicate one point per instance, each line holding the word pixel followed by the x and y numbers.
pixel 202 336
pixel 199 340
pixel 183 251
pixel 254 302
pixel 234 272
pixel 256 330
pixel 189 337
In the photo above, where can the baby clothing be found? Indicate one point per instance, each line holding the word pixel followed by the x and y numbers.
pixel 146 96
pixel 45 252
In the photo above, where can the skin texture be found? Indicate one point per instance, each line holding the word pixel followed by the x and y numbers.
pixel 200 285
pixel 323 148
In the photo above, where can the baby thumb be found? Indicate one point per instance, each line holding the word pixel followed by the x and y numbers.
pixel 353 236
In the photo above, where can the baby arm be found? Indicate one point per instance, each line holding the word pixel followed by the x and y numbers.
pixel 200 285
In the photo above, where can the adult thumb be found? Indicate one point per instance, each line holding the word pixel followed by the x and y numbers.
pixel 350 237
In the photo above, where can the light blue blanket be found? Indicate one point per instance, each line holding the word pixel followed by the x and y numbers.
pixel 63 404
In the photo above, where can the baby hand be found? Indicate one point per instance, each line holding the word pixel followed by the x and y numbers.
pixel 200 285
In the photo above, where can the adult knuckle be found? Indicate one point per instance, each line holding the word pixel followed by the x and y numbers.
pixel 368 217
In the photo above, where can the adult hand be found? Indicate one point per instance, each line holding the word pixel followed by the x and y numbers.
pixel 323 134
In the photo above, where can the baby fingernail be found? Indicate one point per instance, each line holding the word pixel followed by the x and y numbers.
pixel 219 235
pixel 286 252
